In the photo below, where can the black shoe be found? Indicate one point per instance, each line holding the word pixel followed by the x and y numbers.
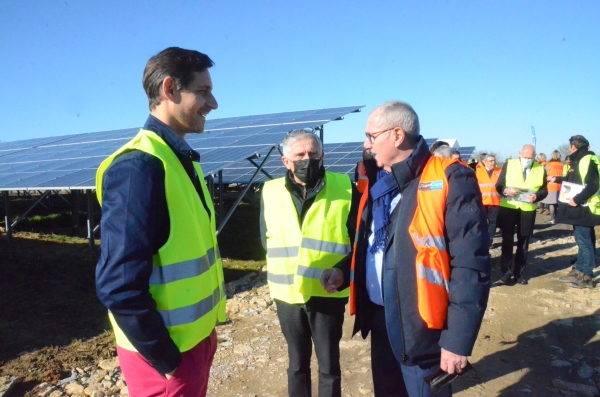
pixel 522 281
pixel 506 278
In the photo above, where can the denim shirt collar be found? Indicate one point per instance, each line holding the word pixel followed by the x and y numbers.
pixel 175 142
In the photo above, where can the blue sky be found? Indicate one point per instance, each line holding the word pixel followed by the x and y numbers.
pixel 483 72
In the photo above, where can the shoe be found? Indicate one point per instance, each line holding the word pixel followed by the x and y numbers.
pixel 583 281
pixel 522 281
pixel 571 277
pixel 551 222
pixel 506 278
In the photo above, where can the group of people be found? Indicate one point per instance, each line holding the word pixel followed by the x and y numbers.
pixel 407 247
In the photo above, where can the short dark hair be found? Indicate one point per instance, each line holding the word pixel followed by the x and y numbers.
pixel 455 152
pixel 176 62
pixel 579 142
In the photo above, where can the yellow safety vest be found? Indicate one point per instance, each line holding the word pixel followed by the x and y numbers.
pixel 187 275
pixel 297 256
pixel 584 166
pixel 514 179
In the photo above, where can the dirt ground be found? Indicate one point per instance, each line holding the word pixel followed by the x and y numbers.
pixel 50 311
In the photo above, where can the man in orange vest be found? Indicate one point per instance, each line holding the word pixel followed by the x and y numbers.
pixel 422 306
pixel 487 176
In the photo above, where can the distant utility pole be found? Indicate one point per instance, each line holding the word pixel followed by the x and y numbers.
pixel 533 138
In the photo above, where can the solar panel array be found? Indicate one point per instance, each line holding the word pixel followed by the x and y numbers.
pixel 70 161
pixel 466 152
pixel 339 157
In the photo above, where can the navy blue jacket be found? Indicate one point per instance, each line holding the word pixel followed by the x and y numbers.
pixel 135 224
pixel 467 242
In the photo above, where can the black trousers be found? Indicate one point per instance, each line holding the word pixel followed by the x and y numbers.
pixel 387 372
pixel 492 214
pixel 319 321
pixel 507 263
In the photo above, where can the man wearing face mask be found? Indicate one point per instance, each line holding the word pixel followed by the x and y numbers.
pixel 521 184
pixel 307 225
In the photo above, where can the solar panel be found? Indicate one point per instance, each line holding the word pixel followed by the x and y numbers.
pixel 339 157
pixel 70 161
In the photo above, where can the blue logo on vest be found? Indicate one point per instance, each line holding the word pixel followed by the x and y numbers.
pixel 433 185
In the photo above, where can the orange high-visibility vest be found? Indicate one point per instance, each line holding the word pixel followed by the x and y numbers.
pixel 487 185
pixel 427 233
pixel 361 206
pixel 554 168
pixel 362 183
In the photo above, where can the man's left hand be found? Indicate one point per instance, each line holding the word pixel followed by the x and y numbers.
pixel 452 363
pixel 531 197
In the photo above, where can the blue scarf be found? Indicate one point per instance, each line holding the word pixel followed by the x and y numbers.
pixel 382 192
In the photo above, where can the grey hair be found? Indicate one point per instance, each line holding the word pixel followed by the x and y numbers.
pixel 398 114
pixel 298 135
pixel 555 155
pixel 488 156
pixel 444 152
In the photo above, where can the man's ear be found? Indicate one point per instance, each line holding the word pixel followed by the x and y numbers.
pixel 289 164
pixel 399 137
pixel 169 90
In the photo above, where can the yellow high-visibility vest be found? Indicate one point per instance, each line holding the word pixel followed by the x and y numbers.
pixel 584 165
pixel 187 275
pixel 296 256
pixel 514 179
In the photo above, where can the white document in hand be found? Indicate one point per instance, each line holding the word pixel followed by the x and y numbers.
pixel 569 190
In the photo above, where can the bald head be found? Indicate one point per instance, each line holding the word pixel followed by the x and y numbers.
pixel 527 152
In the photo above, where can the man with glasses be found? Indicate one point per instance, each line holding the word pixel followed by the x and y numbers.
pixel 307 225
pixel 521 184
pixel 422 306
pixel 487 176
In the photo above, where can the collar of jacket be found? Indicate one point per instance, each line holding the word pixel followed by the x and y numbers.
pixel 579 154
pixel 174 141
pixel 298 190
pixel 411 168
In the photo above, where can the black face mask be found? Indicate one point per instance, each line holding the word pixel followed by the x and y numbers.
pixel 307 171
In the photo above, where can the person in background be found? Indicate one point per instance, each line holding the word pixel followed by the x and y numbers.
pixel 422 306
pixel 567 165
pixel 436 145
pixel 307 222
pixel 554 170
pixel 443 152
pixel 487 176
pixel 583 210
pixel 456 156
pixel 521 184
pixel 160 273
pixel 541 159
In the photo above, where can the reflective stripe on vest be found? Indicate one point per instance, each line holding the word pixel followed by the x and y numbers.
pixel 554 168
pixel 297 256
pixel 187 276
pixel 584 166
pixel 514 179
pixel 427 232
pixel 487 185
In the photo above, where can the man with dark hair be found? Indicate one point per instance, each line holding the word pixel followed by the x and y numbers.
pixel 583 210
pixel 160 273
pixel 422 305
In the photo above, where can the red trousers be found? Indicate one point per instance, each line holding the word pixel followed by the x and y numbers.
pixel 190 378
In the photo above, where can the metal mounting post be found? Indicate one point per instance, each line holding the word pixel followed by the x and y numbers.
pixel 90 220
pixel 7 216
pixel 220 195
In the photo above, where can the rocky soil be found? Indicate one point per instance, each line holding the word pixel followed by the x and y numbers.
pixel 541 339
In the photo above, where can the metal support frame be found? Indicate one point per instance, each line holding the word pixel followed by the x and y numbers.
pixel 26 193
pixel 43 196
pixel 321 134
pixel 7 215
pixel 90 220
pixel 243 193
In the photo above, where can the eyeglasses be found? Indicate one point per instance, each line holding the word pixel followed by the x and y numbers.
pixel 373 135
